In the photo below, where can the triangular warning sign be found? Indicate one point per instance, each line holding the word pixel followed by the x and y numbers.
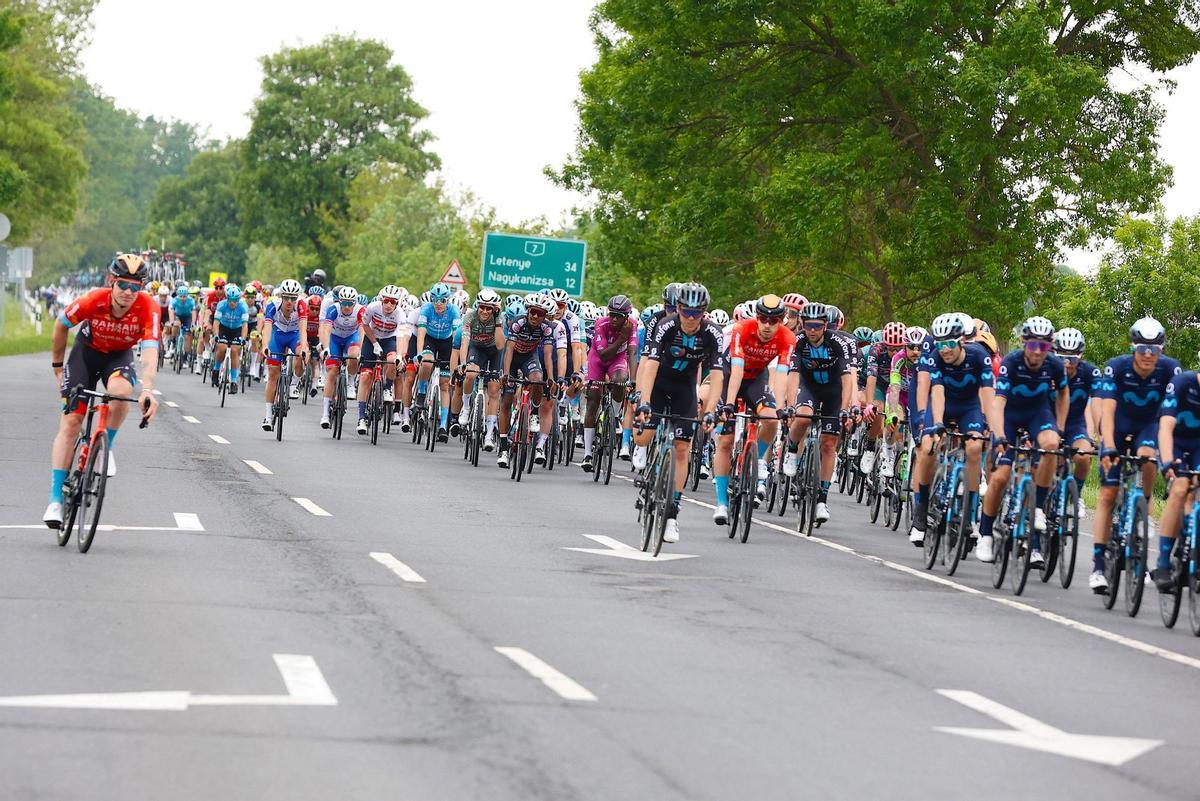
pixel 454 274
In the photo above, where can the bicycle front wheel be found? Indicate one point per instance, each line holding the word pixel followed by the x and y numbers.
pixel 1135 562
pixel 91 496
pixel 1068 537
pixel 665 498
pixel 1023 545
pixel 749 485
pixel 1170 602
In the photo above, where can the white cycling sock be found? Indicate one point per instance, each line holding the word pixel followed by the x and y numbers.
pixel 325 406
pixel 589 436
pixel 270 411
pixel 491 424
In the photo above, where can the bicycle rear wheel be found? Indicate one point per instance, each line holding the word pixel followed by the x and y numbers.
pixel 375 407
pixel 1002 536
pixel 71 494
pixel 1170 602
pixel 91 495
pixel 933 540
pixel 435 415
pixel 648 507
pixel 1135 564
pixel 958 541
pixel 1193 590
pixel 610 439
pixel 279 409
pixel 1068 537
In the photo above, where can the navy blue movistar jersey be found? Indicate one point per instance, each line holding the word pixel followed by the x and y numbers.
pixel 1084 385
pixel 1182 402
pixel 1137 398
pixel 1027 389
pixel 962 381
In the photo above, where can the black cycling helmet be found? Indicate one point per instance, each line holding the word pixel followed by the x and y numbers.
pixel 127 267
pixel 815 311
pixel 318 277
pixel 670 291
pixel 619 304
pixel 692 296
pixel 770 306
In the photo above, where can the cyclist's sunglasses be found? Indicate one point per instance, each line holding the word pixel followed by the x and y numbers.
pixel 946 344
pixel 769 320
pixel 1146 350
pixel 347 303
pixel 692 314
pixel 1069 358
pixel 388 301
pixel 128 286
pixel 815 325
pixel 1038 346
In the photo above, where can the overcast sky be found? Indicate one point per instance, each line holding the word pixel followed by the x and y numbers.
pixel 498 78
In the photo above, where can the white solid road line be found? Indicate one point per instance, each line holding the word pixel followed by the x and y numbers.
pixel 560 683
pixel 184 521
pixel 190 419
pixel 172 404
pixel 1027 732
pixel 399 568
pixel 258 467
pixel 312 507
pixel 217 438
pixel 933 578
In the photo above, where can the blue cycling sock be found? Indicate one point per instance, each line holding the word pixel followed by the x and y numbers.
pixel 233 375
pixel 1097 557
pixel 112 435
pixel 922 493
pixel 678 496
pixel 985 524
pixel 445 416
pixel 1036 540
pixel 762 448
pixel 627 437
pixel 362 409
pixel 422 386
pixel 1165 544
pixel 972 504
pixel 57 477
pixel 1039 496
pixel 722 490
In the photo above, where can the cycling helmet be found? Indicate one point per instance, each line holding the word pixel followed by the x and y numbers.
pixel 586 306
pixel 1068 341
pixel 347 294
pixel 916 335
pixel 391 292
pixel 426 297
pixel 836 318
pixel 316 291
pixel 794 301
pixel 164 290
pixel 980 325
pixel 463 294
pixel 194 291
pixel 877 335
pixel 986 339
pixel 619 304
pixel 289 288
pixel 1038 328
pixel 232 292
pixel 1147 331
pixel 154 285
pixel 649 312
pixel 573 306
pixel 218 282
pixel 669 293
pixel 363 300
pixel 742 311
pixel 196 283
pixel 692 296
pixel 488 297
pixel 770 306
pixel 863 334
pixel 968 323
pixel 893 334
pixel 814 311
pixel 948 326
pixel 257 284
pixel 128 267
pixel 318 277
pixel 543 302
pixel 719 317
pixel 558 295
pixel 250 292
pixel 440 293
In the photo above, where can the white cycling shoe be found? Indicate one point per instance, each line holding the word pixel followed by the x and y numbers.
pixel 324 421
pixel 671 533
pixel 294 393
pixel 984 551
pixel 1097 582
pixel 867 463
pixel 791 464
pixel 721 515
pixel 267 424
pixel 362 425
pixel 822 514
pixel 1039 519
pixel 916 536
pixel 388 396
pixel 639 458
pixel 53 518
pixel 112 465
pixel 1036 559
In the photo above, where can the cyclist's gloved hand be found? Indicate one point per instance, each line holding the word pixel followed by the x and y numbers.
pixel 643 410
pixel 937 429
pixel 709 419
pixel 1168 469
pixel 377 348
pixel 727 410
pixel 785 413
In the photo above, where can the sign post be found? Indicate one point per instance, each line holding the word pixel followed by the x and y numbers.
pixel 520 263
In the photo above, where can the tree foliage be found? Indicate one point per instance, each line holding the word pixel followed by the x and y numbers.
pixel 890 155
pixel 326 113
pixel 1153 269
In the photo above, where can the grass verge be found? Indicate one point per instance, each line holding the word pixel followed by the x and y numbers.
pixel 20 335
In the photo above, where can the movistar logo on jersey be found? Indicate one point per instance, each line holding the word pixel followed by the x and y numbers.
pixel 1079 395
pixel 1030 392
pixel 966 381
pixel 1171 403
pixel 1188 419
pixel 1132 397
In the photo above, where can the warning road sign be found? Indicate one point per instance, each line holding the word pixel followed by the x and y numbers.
pixel 454 274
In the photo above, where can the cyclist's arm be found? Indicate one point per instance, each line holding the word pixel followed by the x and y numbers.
pixel 498 336
pixel 326 330
pixel 508 357
pixel 420 339
pixel 715 380
pixel 1062 404
pixel 937 400
pixel 645 382
pixel 1166 439
pixel 1089 419
pixel 265 336
pixel 737 369
pixel 849 382
pixel 561 362
pixel 779 379
pixel 547 361
pixel 995 414
pixel 1108 424
pixel 791 388
pixel 869 393
pixel 58 345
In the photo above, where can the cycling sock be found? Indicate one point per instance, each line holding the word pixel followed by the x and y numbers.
pixel 1039 496
pixel 972 504
pixel 589 436
pixel 445 416
pixel 793 447
pixel 1036 540
pixel 922 494
pixel 722 490
pixel 762 448
pixel 1165 544
pixel 673 509
pixel 362 409
pixel 1098 557
pixel 270 411
pixel 541 440
pixel 985 524
pixel 823 495
pixel 57 477
pixel 112 435
pixel 626 436
pixel 233 375
pixel 325 406
pixel 422 386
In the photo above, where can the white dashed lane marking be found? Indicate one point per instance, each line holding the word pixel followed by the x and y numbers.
pixel 190 419
pixel 563 685
pixel 258 467
pixel 217 438
pixel 399 568
pixel 312 507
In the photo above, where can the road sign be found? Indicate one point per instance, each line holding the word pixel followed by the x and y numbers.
pixel 454 274
pixel 214 276
pixel 5 227
pixel 519 263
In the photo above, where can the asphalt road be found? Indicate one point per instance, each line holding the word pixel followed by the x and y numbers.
pixel 778 669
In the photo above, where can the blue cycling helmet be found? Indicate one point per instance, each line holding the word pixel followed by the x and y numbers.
pixel 232 292
pixel 363 300
pixel 316 291
pixel 514 308
pixel 440 292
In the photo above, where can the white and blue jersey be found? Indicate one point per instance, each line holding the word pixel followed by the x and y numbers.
pixel 439 326
pixel 231 316
pixel 183 308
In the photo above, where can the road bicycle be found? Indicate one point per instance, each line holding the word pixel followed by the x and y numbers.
pixel 430 415
pixel 743 472
pixel 1061 542
pixel 379 409
pixel 608 429
pixel 223 380
pixel 1129 537
pixel 83 490
pixel 656 486
pixel 337 404
pixel 281 403
pixel 895 486
pixel 807 483
pixel 849 446
pixel 951 513
pixel 1014 525
pixel 521 448
pixel 475 429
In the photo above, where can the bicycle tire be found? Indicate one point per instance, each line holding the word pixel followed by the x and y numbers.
pixel 1193 587
pixel 1003 546
pixel 897 505
pixel 278 410
pixel 339 403
pixel 666 491
pixel 785 492
pixel 92 486
pixel 1051 546
pixel 695 458
pixel 842 470
pixel 932 542
pixel 860 482
pixel 646 513
pixel 874 496
pixel 1023 546
pixel 434 399
pixel 375 409
pixel 735 496
pixel 71 496
pixel 479 426
pixel 1135 564
pixel 1069 537
pixel 224 386
pixel 748 495
pixel 1169 603
pixel 956 546
pixel 610 450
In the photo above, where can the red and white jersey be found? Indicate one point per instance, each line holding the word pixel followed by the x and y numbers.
pixel 108 334
pixel 380 323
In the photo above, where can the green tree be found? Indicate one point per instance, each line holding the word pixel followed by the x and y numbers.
pixel 894 157
pixel 273 263
pixel 1153 269
pixel 326 113
pixel 199 214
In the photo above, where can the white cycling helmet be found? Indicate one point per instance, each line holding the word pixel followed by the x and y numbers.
pixel 1147 331
pixel 543 302
pixel 1068 341
pixel 916 335
pixel 391 292
pixel 290 288
pixel 1037 327
pixel 488 297
pixel 968 324
pixel 719 316
pixel 347 293
pixel 948 326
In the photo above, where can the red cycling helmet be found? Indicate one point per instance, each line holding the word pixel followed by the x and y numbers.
pixel 893 335
pixel 218 282
pixel 794 301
